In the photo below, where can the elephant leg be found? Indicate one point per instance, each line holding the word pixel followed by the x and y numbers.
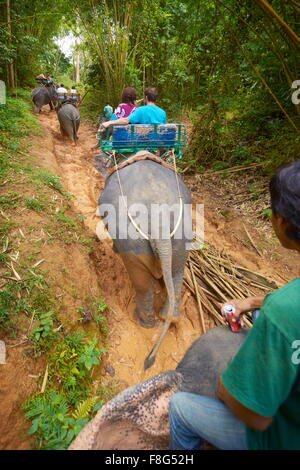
pixel 141 276
pixel 144 312
pixel 178 266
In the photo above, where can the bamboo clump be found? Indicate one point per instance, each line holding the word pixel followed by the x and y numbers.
pixel 214 279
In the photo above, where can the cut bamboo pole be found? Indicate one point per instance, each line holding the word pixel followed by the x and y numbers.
pixel 198 300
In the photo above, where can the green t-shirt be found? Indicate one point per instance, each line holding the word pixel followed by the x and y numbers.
pixel 265 373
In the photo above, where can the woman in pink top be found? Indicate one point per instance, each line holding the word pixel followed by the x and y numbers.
pixel 127 106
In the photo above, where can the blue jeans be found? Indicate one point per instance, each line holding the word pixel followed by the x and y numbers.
pixel 195 418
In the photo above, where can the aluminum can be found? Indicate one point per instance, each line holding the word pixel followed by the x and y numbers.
pixel 233 322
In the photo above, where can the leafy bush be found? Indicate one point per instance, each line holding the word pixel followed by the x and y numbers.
pixel 16 120
pixel 53 422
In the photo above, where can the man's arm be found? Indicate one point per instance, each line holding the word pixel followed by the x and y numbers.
pixel 120 122
pixel 249 417
pixel 244 305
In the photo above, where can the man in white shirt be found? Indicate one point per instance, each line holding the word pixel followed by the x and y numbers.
pixel 61 89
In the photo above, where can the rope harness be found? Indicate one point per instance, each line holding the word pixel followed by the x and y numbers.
pixel 147 156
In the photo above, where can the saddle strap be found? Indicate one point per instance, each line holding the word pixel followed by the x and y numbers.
pixel 139 157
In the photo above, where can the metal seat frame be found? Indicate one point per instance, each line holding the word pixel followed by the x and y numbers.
pixel 124 147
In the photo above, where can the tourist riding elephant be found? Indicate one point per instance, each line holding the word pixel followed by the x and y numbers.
pixel 69 120
pixel 147 210
pixel 44 95
pixel 138 418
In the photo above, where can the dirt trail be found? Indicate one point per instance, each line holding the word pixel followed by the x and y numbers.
pixel 129 344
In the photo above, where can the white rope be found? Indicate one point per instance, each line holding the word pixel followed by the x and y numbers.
pixel 126 207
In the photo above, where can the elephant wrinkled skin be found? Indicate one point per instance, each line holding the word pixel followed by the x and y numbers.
pixel 69 121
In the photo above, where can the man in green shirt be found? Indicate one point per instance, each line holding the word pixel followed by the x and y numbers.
pixel 259 392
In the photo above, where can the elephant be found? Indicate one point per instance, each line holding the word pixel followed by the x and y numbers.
pixel 137 418
pixel 150 254
pixel 44 95
pixel 69 120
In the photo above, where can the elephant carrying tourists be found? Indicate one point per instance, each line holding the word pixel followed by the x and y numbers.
pixel 153 238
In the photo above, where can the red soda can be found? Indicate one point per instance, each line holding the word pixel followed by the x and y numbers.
pixel 233 322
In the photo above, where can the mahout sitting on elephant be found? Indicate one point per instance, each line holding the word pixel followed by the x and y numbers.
pixel 258 406
pixel 235 390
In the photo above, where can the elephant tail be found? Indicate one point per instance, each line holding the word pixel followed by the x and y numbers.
pixel 163 248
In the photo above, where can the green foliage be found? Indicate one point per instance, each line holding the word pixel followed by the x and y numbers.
pixel 35 204
pixel 64 219
pixel 6 299
pixel 71 364
pixel 59 415
pixel 43 335
pixel 101 306
pixel 84 409
pixel 267 213
pixel 30 46
pixel 10 200
pixel 52 420
pixel 90 354
pixel 16 121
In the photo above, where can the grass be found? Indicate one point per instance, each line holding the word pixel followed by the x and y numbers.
pixel 16 121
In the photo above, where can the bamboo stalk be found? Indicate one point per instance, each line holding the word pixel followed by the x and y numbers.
pixel 45 380
pixel 198 300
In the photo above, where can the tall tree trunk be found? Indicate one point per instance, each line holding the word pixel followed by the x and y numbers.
pixel 265 5
pixel 11 73
pixel 77 62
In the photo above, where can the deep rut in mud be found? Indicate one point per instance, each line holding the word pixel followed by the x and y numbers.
pixel 128 342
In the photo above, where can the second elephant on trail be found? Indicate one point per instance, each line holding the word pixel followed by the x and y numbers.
pixel 69 121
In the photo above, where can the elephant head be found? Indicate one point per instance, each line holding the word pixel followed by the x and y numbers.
pixel 138 417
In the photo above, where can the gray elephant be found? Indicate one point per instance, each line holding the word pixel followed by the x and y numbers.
pixel 69 120
pixel 130 205
pixel 44 95
pixel 138 417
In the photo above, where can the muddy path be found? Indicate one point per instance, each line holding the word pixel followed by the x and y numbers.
pixel 129 343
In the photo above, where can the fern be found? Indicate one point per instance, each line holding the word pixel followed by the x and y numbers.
pixel 83 409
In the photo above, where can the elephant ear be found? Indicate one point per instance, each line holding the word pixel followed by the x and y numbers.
pixel 136 419
pixel 100 163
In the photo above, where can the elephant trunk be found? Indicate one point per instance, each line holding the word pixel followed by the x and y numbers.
pixel 163 248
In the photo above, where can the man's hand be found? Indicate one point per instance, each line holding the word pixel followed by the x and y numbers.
pixel 104 125
pixel 244 305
